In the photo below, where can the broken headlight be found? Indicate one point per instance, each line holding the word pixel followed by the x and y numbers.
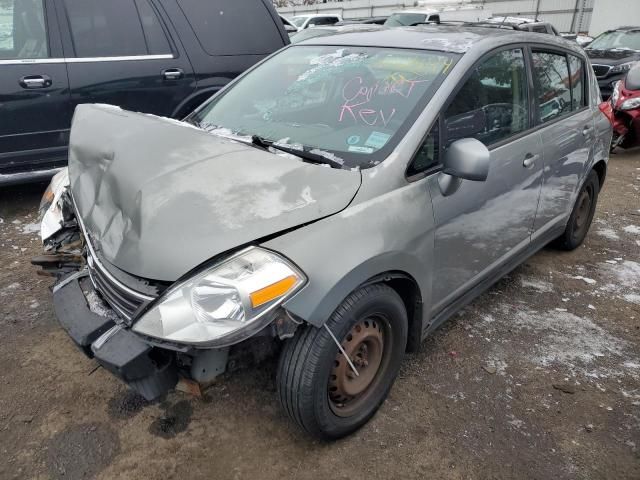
pixel 224 304
pixel 50 211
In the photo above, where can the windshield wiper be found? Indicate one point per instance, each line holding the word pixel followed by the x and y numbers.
pixel 301 152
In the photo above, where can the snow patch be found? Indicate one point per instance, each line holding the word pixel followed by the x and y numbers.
pixel 31 228
pixel 609 233
pixel 634 229
pixel 590 281
pixel 538 285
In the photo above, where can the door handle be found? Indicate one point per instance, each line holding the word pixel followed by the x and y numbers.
pixel 529 160
pixel 35 81
pixel 172 73
pixel 586 130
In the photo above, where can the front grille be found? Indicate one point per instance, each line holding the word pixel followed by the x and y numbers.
pixel 601 70
pixel 121 298
pixel 124 300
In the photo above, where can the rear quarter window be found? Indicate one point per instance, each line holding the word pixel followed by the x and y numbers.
pixel 232 27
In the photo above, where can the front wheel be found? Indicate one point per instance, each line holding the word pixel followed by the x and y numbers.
pixel 318 387
pixel 582 214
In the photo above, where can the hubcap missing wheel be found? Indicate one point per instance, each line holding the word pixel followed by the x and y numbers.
pixel 364 345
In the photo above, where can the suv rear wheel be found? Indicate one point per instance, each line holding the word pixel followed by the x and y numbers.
pixel 317 385
pixel 582 214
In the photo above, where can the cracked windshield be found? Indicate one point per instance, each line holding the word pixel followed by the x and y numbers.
pixel 345 104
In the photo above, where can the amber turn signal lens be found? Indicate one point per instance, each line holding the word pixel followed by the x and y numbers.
pixel 273 291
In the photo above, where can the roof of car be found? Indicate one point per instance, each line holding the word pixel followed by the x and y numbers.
pixel 626 28
pixel 445 38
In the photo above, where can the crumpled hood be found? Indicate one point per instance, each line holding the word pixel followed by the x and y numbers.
pixel 159 197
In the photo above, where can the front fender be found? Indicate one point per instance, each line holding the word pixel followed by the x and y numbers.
pixel 390 233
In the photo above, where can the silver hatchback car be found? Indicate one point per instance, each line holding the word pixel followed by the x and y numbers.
pixel 335 204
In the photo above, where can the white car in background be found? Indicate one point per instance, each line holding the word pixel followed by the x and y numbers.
pixel 315 20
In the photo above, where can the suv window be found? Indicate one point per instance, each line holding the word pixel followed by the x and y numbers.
pixel 323 21
pixel 232 27
pixel 157 43
pixel 114 28
pixel 23 33
pixel 553 85
pixel 427 155
pixel 578 98
pixel 493 103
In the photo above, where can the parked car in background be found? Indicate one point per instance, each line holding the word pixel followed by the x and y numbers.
pixel 163 57
pixel 337 203
pixel 289 27
pixel 580 38
pixel 521 23
pixel 325 31
pixel 613 54
pixel 408 17
pixel 370 20
pixel 315 20
pixel 625 110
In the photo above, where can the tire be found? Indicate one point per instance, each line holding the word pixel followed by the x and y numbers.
pixel 582 214
pixel 313 375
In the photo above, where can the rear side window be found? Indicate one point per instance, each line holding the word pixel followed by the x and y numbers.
pixel 553 85
pixel 157 43
pixel 232 27
pixel 115 28
pixel 23 33
pixel 493 103
pixel 578 98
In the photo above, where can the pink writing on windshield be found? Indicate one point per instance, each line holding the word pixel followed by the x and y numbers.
pixel 358 96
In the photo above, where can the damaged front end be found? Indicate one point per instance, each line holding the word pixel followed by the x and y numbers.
pixel 61 239
pixel 157 335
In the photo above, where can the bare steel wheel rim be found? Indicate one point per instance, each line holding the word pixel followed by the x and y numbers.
pixel 584 209
pixel 366 345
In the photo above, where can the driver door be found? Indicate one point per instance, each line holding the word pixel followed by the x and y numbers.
pixel 482 225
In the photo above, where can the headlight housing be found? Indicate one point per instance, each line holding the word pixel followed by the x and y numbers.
pixel 615 95
pixel 50 211
pixel 630 103
pixel 224 304
pixel 623 67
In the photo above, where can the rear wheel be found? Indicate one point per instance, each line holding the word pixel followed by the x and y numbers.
pixel 582 214
pixel 317 385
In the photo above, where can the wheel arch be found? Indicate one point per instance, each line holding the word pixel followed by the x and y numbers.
pixel 394 270
pixel 409 291
pixel 600 168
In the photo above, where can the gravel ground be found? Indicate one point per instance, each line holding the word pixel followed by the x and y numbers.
pixel 538 378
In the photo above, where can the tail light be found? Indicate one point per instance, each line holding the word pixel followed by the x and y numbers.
pixel 607 109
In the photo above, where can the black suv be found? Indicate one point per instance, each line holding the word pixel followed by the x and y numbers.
pixel 613 54
pixel 163 57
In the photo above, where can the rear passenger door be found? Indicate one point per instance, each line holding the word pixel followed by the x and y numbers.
pixel 567 130
pixel 123 53
pixel 34 89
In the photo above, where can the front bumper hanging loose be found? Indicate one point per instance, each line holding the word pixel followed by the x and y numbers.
pixel 148 370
